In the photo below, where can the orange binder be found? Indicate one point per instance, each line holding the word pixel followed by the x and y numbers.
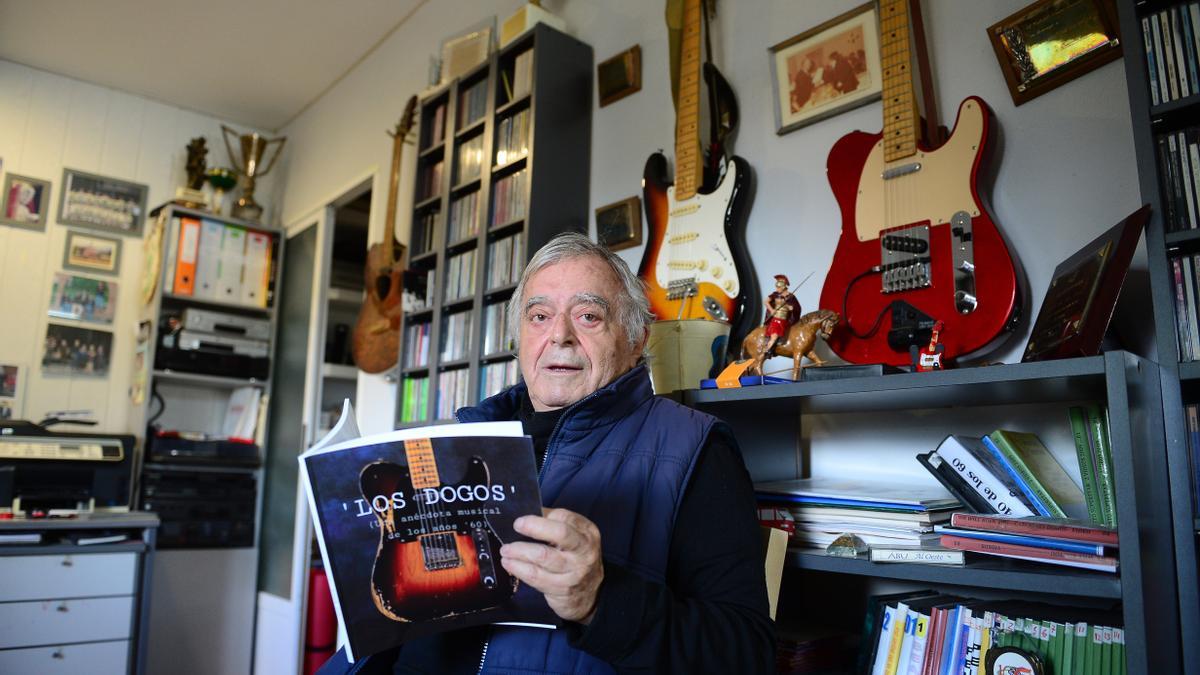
pixel 185 265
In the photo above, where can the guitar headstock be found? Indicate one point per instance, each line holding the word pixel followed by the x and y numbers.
pixel 406 120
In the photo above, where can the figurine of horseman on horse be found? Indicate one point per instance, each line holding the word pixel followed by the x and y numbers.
pixel 785 332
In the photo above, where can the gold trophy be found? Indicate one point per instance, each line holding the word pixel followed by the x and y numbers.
pixel 253 147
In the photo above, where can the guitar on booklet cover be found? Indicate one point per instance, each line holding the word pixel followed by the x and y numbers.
pixel 376 344
pixel 917 245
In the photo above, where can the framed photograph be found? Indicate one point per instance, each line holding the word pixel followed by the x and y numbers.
pixel 1052 42
pixel 70 350
pixel 619 76
pixel 461 54
pixel 92 253
pixel 12 379
pixel 82 298
pixel 619 225
pixel 26 202
pixel 102 203
pixel 827 70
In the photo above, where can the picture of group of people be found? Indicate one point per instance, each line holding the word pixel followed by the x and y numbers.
pixel 76 351
pixel 81 298
pixel 828 71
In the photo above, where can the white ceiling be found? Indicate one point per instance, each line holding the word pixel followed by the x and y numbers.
pixel 254 62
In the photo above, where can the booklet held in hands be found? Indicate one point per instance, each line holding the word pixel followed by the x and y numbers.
pixel 410 525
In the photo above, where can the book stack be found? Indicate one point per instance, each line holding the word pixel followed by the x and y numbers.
pixel 495 329
pixel 496 377
pixel 1089 426
pixel 456 336
pixel 470 160
pixel 422 235
pixel 927 633
pixel 1179 164
pixel 1172 39
pixel 437 125
pixel 1057 541
pixel 512 138
pixel 882 514
pixel 430 180
pixel 452 392
pixel 209 260
pixel 416 336
pixel 506 261
pixel 416 399
pixel 472 104
pixel 522 74
pixel 508 202
pixel 460 276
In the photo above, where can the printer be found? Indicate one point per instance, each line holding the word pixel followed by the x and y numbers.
pixel 44 471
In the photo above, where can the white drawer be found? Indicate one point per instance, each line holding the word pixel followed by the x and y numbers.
pixel 38 577
pixel 28 624
pixel 96 658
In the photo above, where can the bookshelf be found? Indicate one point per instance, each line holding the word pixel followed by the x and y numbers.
pixel 1171 236
pixel 1127 384
pixel 502 168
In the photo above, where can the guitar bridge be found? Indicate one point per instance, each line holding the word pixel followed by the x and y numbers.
pixel 682 288
pixel 440 551
pixel 904 253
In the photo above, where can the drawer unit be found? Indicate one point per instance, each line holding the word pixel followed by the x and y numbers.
pixel 67 576
pixel 40 622
pixel 95 658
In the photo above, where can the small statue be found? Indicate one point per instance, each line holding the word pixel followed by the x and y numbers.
pixel 799 342
pixel 196 152
pixel 783 310
pixel 929 357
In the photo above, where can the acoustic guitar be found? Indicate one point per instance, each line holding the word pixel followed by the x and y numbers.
pixel 695 264
pixel 917 244
pixel 431 562
pixel 376 343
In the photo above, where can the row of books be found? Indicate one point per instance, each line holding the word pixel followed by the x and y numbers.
pixel 416 341
pixel 508 202
pixel 414 398
pixel 522 74
pixel 470 160
pixel 512 138
pixel 437 125
pixel 472 104
pixel 1179 164
pixel 464 217
pixel 506 261
pixel 1056 541
pixel 456 337
pixel 496 337
pixel 422 234
pixel 460 276
pixel 496 377
pixel 1172 42
pixel 429 180
pixel 930 633
pixel 210 260
pixel 1192 420
pixel 1186 269
pixel 452 393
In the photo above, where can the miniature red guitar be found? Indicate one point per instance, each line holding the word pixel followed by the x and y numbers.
pixel 917 245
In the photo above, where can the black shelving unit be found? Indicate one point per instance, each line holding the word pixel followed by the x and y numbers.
pixel 1128 385
pixel 556 166
pixel 1178 379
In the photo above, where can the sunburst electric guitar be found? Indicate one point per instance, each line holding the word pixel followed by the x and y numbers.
pixel 917 245
pixel 695 264
pixel 430 564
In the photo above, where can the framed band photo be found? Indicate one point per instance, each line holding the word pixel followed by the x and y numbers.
pixel 619 225
pixel 102 203
pixel 92 253
pixel 1051 42
pixel 26 202
pixel 827 70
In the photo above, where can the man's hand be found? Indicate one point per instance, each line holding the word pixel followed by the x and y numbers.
pixel 567 568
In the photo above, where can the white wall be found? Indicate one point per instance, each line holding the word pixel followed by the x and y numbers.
pixel 48 122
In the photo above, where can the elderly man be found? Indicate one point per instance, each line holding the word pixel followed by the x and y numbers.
pixel 649 550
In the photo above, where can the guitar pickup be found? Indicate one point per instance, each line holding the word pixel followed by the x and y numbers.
pixel 904 253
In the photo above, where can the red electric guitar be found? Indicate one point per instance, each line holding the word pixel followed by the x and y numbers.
pixel 431 563
pixel 917 245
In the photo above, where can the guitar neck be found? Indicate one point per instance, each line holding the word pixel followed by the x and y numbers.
pixel 389 234
pixel 689 170
pixel 422 468
pixel 900 119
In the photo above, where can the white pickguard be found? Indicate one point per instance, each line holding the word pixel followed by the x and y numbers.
pixel 941 188
pixel 694 246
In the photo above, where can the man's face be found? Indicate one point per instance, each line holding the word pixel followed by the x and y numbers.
pixel 570 342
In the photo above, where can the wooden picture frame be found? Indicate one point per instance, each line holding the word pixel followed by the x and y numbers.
pixel 619 225
pixel 827 70
pixel 102 203
pixel 619 76
pixel 25 203
pixel 1086 32
pixel 93 253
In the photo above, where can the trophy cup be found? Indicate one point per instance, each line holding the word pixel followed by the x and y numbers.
pixel 250 165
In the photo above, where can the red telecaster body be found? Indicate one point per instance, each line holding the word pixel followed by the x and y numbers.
pixel 917 245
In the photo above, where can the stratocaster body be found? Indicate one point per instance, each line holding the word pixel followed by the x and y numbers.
pixel 695 263
pixel 944 255
pixel 431 565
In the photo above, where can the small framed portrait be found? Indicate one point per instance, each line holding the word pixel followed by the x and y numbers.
pixel 70 350
pixel 619 225
pixel 92 253
pixel 102 203
pixel 619 76
pixel 1051 42
pixel 82 298
pixel 12 379
pixel 26 202
pixel 827 70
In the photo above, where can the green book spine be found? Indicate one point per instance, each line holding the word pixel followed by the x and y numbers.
pixel 1068 635
pixel 1082 638
pixel 1098 421
pixel 1106 660
pixel 1095 642
pixel 1087 469
pixel 1119 665
pixel 1008 448
pixel 1056 647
